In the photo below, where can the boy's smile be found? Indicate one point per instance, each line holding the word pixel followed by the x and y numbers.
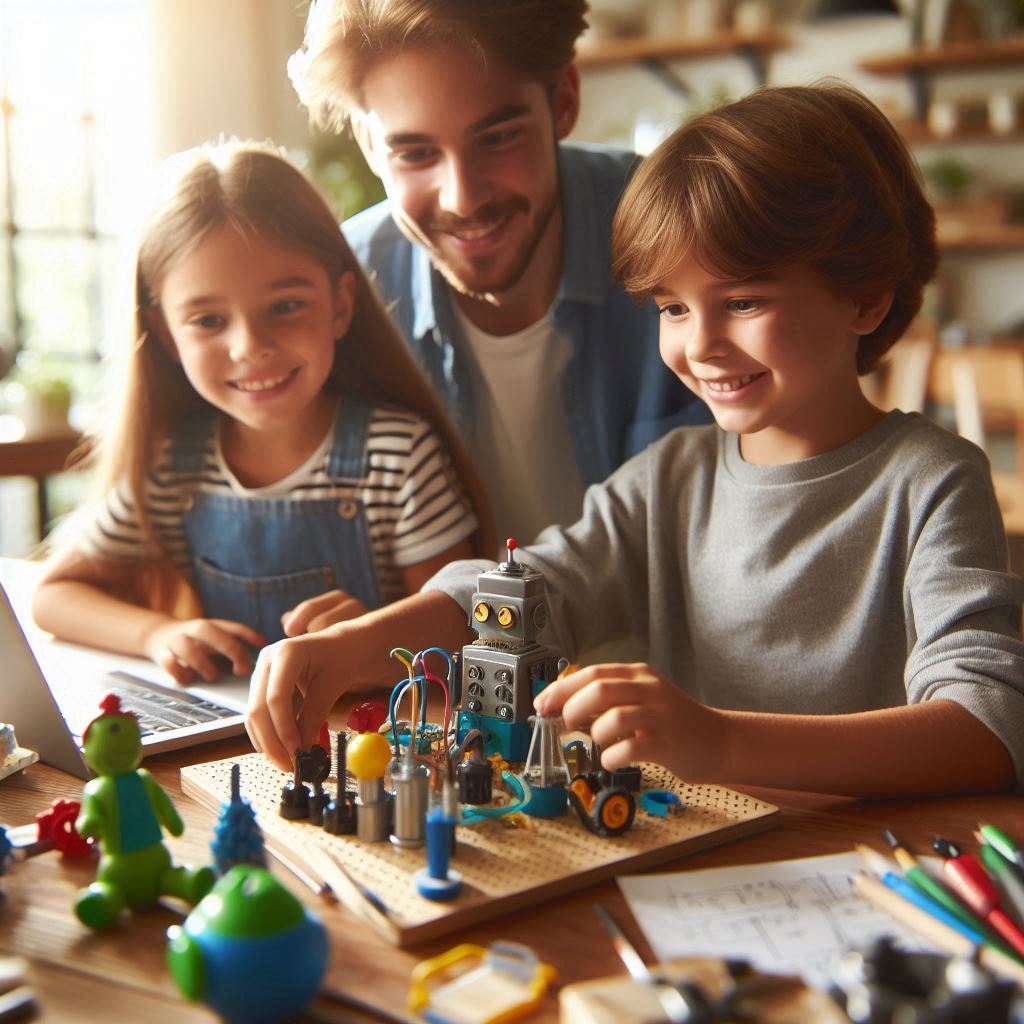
pixel 774 356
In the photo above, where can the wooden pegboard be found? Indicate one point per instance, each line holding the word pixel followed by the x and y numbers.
pixel 503 867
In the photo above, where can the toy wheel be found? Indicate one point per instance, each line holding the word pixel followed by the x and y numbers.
pixel 580 785
pixel 614 810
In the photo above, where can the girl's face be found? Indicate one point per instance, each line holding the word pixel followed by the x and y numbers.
pixel 253 324
pixel 774 357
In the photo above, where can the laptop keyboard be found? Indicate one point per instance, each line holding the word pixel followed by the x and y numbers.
pixel 161 712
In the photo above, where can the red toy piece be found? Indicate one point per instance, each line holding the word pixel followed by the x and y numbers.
pixel 367 716
pixel 57 829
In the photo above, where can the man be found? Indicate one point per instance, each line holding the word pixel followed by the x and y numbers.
pixel 493 246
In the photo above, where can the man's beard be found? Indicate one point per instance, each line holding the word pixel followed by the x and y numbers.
pixel 489 213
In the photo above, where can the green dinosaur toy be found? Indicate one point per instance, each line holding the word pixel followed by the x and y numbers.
pixel 123 808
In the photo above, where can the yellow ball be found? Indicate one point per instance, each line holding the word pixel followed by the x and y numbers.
pixel 368 756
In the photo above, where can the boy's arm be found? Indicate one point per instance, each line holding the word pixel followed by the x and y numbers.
pixel 934 747
pixel 636 714
pixel 297 681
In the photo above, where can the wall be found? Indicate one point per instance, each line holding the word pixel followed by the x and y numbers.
pixel 219 67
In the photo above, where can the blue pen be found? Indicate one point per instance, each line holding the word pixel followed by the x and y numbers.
pixel 911 894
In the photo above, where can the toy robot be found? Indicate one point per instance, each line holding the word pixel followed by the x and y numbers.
pixel 506 667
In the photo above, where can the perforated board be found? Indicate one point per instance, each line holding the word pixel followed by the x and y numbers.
pixel 503 867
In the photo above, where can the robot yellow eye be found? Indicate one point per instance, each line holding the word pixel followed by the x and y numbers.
pixel 482 612
pixel 506 617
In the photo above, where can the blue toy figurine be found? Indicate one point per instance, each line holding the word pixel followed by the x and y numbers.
pixel 124 810
pixel 237 837
pixel 250 950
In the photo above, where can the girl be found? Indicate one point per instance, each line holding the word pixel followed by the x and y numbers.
pixel 276 447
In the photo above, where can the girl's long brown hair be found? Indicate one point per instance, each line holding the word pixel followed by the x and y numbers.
pixel 254 188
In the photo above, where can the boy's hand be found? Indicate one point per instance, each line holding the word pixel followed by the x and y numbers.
pixel 635 714
pixel 320 612
pixel 189 649
pixel 294 686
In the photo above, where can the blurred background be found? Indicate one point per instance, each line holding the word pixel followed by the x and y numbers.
pixel 94 93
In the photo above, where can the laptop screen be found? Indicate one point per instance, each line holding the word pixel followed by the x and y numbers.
pixel 49 692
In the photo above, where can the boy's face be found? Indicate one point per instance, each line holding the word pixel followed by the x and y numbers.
pixel 774 357
pixel 467 155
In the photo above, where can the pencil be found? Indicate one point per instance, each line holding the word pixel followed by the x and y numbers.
pixel 934 931
pixel 1003 844
pixel 1006 877
pixel 365 897
pixel 322 889
pixel 917 876
pixel 879 867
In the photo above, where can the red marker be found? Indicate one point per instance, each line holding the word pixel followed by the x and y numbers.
pixel 973 885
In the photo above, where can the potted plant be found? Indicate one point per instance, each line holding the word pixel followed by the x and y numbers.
pixel 39 393
pixel 960 204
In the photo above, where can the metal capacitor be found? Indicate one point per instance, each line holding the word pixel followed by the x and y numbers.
pixel 411 786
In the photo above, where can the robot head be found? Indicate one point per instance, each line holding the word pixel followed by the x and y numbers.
pixel 510 602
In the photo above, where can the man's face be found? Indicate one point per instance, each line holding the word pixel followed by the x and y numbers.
pixel 467 155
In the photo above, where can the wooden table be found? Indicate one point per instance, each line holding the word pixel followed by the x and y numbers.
pixel 120 975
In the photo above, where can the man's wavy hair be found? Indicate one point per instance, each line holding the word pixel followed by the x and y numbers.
pixel 344 38
pixel 811 175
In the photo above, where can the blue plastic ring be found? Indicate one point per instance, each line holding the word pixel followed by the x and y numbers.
pixel 660 802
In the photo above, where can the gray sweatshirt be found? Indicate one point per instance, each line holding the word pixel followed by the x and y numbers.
pixel 871 576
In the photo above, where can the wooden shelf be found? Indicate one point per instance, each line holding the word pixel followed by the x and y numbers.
pixel 38 457
pixel 917 134
pixel 643 48
pixel 956 57
pixel 980 238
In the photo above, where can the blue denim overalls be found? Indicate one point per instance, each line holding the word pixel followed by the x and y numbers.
pixel 256 558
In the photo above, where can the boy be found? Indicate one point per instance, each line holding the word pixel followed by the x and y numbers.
pixel 823 586
pixel 493 247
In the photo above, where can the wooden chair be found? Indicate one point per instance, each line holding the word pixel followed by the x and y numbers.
pixel 985 387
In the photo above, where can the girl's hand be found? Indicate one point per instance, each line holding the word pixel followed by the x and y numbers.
pixel 635 714
pixel 294 685
pixel 187 649
pixel 322 611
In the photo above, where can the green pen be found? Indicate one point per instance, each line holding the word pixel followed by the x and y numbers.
pixel 1003 844
pixel 1006 878
pixel 917 876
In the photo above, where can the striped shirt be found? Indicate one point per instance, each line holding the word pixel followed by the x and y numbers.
pixel 414 506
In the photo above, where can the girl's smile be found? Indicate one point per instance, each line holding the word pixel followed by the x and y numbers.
pixel 263 385
pixel 254 325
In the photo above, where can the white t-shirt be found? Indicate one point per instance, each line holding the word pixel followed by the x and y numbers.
pixel 524 450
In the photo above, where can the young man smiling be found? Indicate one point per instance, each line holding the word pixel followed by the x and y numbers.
pixel 493 246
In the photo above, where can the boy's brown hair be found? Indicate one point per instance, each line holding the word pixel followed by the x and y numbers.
pixel 344 38
pixel 789 174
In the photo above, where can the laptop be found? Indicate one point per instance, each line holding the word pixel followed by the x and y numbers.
pixel 50 691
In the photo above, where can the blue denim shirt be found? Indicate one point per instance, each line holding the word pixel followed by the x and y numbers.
pixel 619 396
